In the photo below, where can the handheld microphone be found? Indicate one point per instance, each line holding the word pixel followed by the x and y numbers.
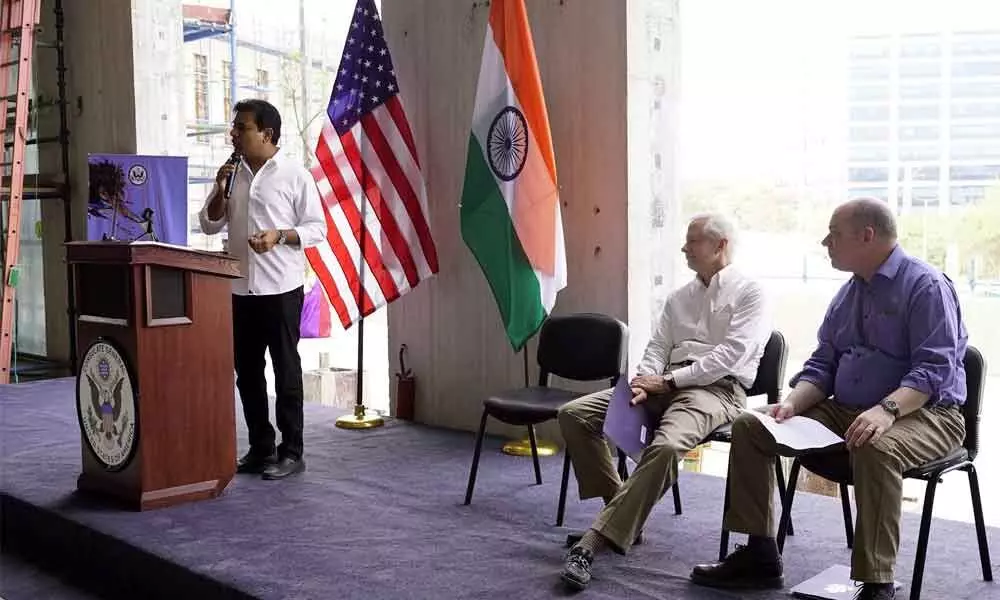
pixel 233 160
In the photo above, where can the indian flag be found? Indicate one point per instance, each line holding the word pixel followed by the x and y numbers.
pixel 510 202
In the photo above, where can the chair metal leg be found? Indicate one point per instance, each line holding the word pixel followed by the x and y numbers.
pixel 786 505
pixel 677 497
pixel 561 511
pixel 622 465
pixel 977 511
pixel 925 529
pixel 475 458
pixel 534 454
pixel 724 539
pixel 845 503
pixel 779 474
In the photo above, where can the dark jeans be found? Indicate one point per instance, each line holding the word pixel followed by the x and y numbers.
pixel 270 323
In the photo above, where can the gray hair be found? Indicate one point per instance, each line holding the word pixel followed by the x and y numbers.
pixel 719 228
pixel 874 213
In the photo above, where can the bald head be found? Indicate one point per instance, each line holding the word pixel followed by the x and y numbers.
pixel 871 212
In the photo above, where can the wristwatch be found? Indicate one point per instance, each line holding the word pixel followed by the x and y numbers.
pixel 890 406
pixel 282 237
pixel 669 380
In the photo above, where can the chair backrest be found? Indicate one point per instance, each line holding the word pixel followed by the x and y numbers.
pixel 975 374
pixel 771 371
pixel 583 347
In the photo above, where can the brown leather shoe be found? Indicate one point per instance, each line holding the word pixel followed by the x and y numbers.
pixel 743 569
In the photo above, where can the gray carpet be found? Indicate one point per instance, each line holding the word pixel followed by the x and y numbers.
pixel 378 514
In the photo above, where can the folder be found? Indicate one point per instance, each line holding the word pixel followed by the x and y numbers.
pixel 628 427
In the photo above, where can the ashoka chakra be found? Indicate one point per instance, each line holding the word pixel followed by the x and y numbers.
pixel 507 143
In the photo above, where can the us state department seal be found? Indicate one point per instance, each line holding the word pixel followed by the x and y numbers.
pixel 105 405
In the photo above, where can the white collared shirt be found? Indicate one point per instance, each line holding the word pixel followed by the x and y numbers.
pixel 721 327
pixel 281 195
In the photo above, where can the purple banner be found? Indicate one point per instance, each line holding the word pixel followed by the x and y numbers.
pixel 133 197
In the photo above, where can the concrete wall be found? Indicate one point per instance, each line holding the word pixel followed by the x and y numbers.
pixel 123 76
pixel 450 323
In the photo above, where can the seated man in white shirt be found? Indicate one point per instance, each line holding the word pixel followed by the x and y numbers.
pixel 704 351
pixel 273 212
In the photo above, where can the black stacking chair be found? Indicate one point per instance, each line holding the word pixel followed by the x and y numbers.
pixel 581 347
pixel 836 466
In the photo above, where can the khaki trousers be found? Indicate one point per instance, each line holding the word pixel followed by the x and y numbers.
pixel 915 439
pixel 688 416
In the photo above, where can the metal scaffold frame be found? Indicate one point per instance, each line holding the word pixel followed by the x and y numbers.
pixel 19 22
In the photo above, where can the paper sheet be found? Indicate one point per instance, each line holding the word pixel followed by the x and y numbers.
pixel 798 433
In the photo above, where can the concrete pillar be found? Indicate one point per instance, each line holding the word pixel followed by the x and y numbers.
pixel 124 81
pixel 599 73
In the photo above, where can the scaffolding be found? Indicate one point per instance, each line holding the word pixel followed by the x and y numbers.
pixel 19 20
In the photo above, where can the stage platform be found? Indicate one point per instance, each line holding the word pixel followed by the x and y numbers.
pixel 379 514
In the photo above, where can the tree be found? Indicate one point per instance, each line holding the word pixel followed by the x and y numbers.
pixel 759 206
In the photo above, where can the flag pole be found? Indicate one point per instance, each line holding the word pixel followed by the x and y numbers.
pixel 522 447
pixel 361 419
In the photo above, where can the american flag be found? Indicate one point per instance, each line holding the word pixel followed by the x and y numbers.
pixel 370 182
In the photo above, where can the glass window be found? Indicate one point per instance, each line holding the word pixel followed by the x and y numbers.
pixel 201 88
pixel 974 150
pixel 919 152
pixel 920 91
pixel 863 93
pixel 975 45
pixel 919 132
pixel 868 174
pixel 975 172
pixel 869 134
pixel 974 89
pixel 862 192
pixel 870 72
pixel 975 69
pixel 870 113
pixel 263 83
pixel 967 194
pixel 862 48
pixel 924 173
pixel 979 130
pixel 920 69
pixel 227 89
pixel 975 110
pixel 924 196
pixel 868 153
pixel 919 112
pixel 920 47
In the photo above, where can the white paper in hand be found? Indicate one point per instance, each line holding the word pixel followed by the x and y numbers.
pixel 798 433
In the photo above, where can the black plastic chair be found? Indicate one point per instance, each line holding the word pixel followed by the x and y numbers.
pixel 580 347
pixel 836 466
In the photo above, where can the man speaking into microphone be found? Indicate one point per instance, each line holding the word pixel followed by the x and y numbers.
pixel 270 200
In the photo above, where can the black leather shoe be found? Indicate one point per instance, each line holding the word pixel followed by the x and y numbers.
pixel 875 591
pixel 255 463
pixel 573 538
pixel 285 468
pixel 576 570
pixel 743 569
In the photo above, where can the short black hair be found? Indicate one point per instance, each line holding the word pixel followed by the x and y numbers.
pixel 265 115
pixel 107 176
pixel 874 213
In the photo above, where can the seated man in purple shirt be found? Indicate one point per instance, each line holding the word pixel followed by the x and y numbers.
pixel 888 375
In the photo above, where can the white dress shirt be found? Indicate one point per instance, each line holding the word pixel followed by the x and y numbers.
pixel 722 328
pixel 282 195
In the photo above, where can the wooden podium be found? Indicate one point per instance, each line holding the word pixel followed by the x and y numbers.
pixel 155 383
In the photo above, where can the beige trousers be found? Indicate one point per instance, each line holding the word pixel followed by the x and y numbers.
pixel 915 439
pixel 687 417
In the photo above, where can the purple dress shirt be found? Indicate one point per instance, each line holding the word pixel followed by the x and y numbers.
pixel 902 329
